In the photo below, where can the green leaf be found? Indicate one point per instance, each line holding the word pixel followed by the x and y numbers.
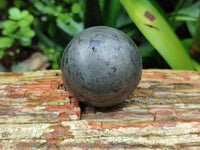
pixel 8 31
pixel 101 4
pixel 111 9
pixel 27 32
pixel 44 9
pixel 64 17
pixel 196 65
pixel 14 13
pixel 50 49
pixel 51 29
pixel 25 41
pixel 26 21
pixel 191 27
pixel 72 28
pixel 155 28
pixel 123 19
pixel 24 13
pixel 11 53
pixel 58 9
pixel 19 3
pixel 190 10
pixel 43 38
pixel 187 43
pixel 76 8
pixel 9 27
pixel 6 42
pixel 190 14
pixel 1 55
pixel 17 51
pixel 50 11
pixel 23 23
pixel 146 49
pixel 185 18
pixel 9 24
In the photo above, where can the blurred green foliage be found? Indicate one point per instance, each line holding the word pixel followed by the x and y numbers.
pixel 16 29
pixel 49 25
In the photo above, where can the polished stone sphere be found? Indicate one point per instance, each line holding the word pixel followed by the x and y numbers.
pixel 101 66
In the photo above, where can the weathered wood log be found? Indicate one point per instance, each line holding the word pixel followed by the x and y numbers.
pixel 162 113
pixel 35 97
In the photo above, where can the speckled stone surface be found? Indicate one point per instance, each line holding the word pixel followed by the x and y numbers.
pixel 101 66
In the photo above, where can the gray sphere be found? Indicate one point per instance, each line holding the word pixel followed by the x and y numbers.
pixel 101 66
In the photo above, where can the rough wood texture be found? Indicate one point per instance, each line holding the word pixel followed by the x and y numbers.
pixel 162 113
pixel 35 97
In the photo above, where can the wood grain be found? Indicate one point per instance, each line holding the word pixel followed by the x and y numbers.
pixel 35 97
pixel 162 113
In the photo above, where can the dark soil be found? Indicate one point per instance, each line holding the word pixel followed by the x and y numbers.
pixel 25 53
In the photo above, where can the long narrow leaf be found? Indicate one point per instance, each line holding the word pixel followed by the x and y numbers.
pixel 155 28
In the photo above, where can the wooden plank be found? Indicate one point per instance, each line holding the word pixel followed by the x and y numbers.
pixel 161 95
pixel 35 97
pixel 91 134
pixel 162 113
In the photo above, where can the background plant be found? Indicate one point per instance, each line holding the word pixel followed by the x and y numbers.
pixel 55 23
pixel 16 29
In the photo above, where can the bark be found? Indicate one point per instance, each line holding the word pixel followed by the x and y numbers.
pixel 162 113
